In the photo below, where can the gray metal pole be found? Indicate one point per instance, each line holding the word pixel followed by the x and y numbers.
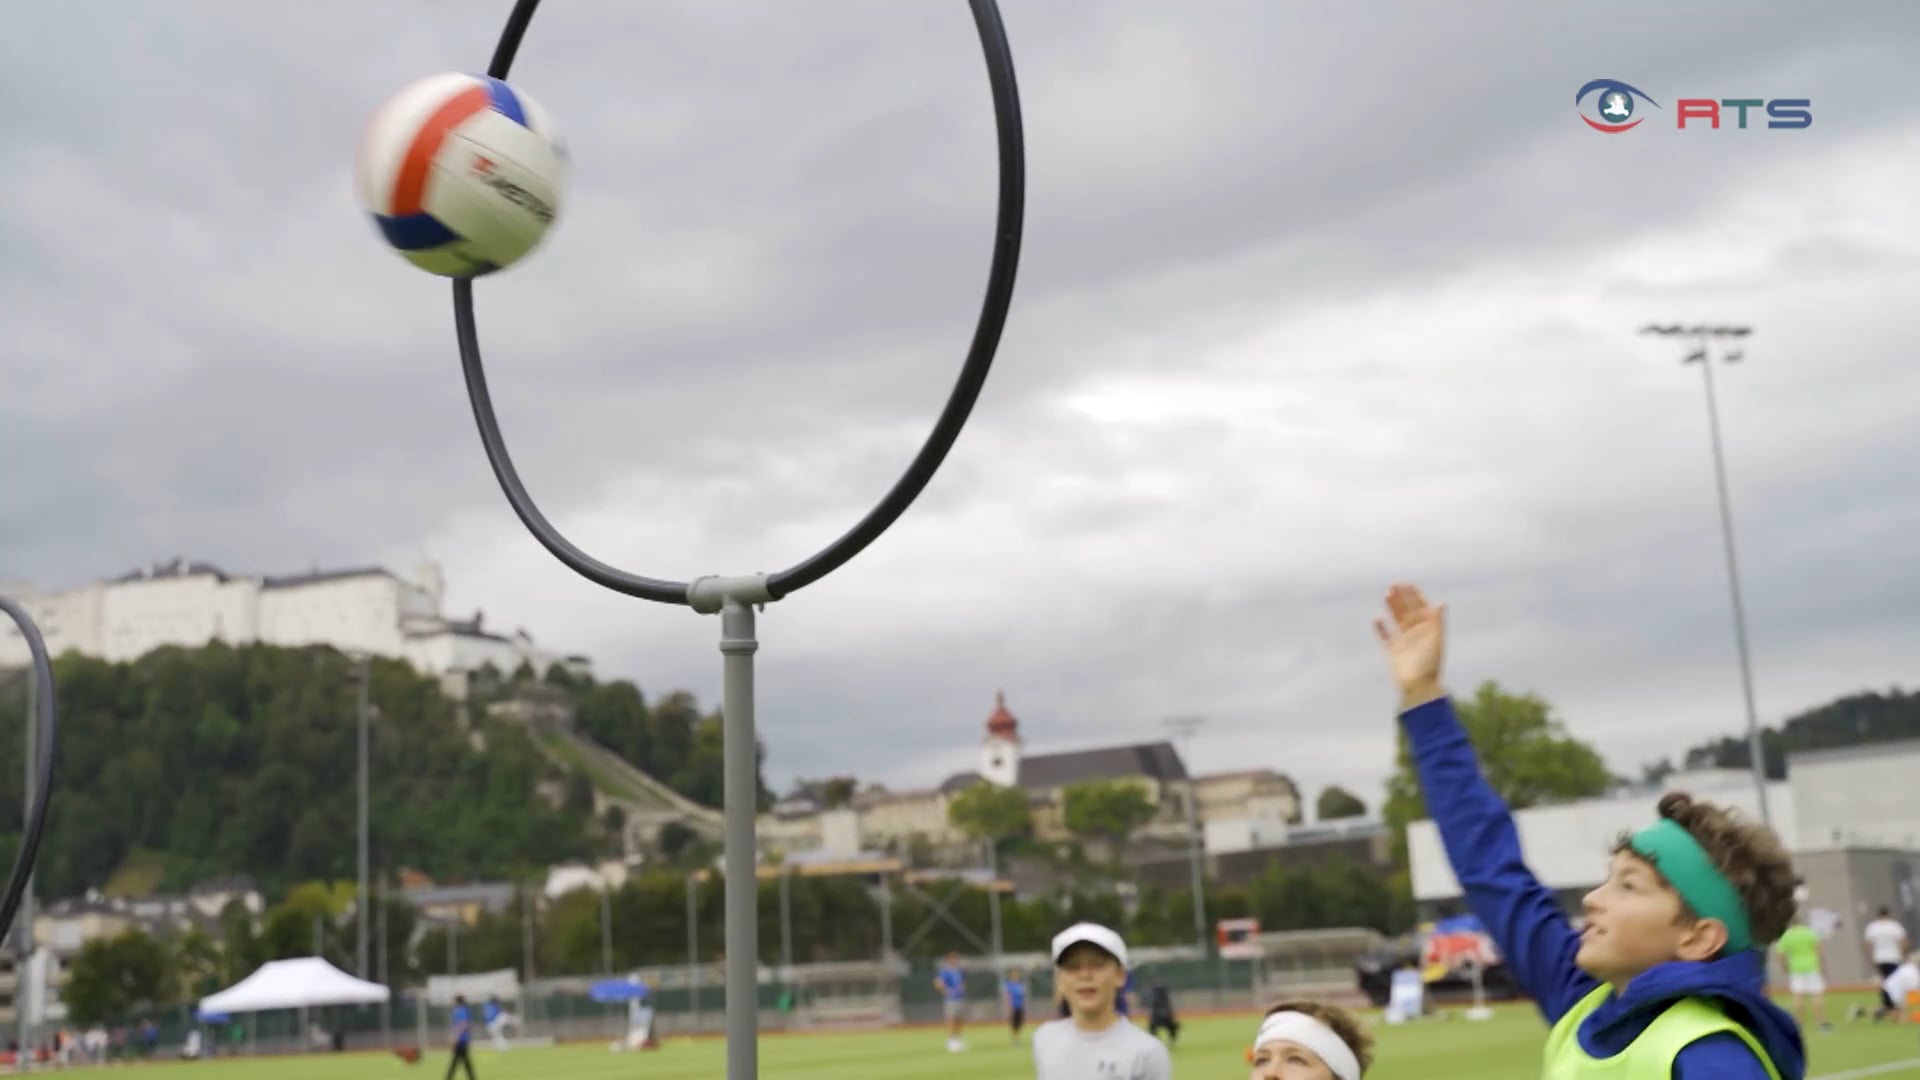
pixel 1733 584
pixel 24 964
pixel 1186 725
pixel 786 927
pixel 993 901
pixel 740 790
pixel 386 1007
pixel 526 930
pixel 362 898
pixel 693 948
pixel 453 945
pixel 606 927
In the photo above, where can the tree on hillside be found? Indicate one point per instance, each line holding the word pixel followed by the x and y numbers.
pixel 991 813
pixel 199 763
pixel 1110 810
pixel 1854 720
pixel 1524 749
pixel 1336 802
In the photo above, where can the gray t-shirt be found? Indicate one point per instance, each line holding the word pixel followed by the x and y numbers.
pixel 1062 1051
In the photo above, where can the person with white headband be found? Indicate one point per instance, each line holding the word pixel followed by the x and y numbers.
pixel 1306 1040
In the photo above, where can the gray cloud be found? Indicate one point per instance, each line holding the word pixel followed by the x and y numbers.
pixel 1312 298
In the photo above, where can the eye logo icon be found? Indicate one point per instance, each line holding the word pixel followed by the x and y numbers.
pixel 1615 105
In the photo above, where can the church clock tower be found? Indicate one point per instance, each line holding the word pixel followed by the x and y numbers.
pixel 1000 755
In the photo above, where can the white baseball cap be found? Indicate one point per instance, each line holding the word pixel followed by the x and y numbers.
pixel 1093 934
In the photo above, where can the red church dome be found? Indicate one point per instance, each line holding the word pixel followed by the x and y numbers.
pixel 1002 722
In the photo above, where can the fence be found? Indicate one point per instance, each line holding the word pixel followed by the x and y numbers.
pixel 687 1001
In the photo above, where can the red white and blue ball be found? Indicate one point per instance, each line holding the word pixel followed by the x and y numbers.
pixel 462 173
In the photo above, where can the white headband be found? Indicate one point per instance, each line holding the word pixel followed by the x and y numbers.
pixel 1305 1031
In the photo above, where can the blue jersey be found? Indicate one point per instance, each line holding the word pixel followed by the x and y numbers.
pixel 490 1012
pixel 1016 994
pixel 1120 997
pixel 954 983
pixel 462 1023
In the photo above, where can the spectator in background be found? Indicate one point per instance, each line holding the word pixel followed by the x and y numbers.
pixel 462 1037
pixel 1806 962
pixel 1886 945
pixel 1160 1013
pixel 1014 989
pixel 952 984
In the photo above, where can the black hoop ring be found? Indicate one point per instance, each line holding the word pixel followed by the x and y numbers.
pixel 966 390
pixel 44 717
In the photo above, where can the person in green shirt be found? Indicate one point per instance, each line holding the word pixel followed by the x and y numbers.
pixel 1805 960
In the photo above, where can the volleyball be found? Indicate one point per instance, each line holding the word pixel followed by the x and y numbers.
pixel 462 174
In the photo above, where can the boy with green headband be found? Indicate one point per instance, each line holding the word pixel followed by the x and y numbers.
pixel 1669 976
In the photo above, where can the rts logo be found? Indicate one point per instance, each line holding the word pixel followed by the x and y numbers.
pixel 1616 105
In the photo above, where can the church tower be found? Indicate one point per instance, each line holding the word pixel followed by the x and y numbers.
pixel 1000 756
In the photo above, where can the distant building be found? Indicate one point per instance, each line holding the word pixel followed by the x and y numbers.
pixel 902 820
pixel 63 928
pixel 192 604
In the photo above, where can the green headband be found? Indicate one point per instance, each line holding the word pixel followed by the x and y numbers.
pixel 1684 863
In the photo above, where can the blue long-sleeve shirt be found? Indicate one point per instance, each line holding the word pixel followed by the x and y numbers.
pixel 1538 941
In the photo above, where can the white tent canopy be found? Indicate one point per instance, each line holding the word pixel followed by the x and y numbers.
pixel 307 982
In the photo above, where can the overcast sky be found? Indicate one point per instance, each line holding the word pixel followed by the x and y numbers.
pixel 1314 298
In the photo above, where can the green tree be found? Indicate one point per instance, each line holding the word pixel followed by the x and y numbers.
pixel 992 813
pixel 113 977
pixel 1109 810
pixel 1337 802
pixel 204 762
pixel 838 791
pixel 1524 748
pixel 196 966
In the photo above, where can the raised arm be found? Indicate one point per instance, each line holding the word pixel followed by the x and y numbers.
pixel 1535 938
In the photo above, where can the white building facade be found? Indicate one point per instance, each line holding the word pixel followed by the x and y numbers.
pixel 1568 845
pixel 368 610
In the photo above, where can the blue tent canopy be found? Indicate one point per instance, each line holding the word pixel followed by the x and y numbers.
pixel 608 991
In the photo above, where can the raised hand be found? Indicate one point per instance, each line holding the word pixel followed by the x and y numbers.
pixel 1415 643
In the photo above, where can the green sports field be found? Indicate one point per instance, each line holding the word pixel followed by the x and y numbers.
pixel 1506 1047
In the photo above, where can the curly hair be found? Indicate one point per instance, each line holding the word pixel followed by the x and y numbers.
pixel 1748 853
pixel 1342 1023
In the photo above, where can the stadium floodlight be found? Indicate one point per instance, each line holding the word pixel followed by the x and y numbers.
pixel 1704 335
pixel 736 598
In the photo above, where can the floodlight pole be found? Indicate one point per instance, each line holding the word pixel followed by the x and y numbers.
pixel 1185 726
pixel 363 675
pixel 1701 356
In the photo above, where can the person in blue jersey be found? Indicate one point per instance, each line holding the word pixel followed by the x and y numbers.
pixel 491 1014
pixel 1013 989
pixel 951 983
pixel 462 1037
pixel 1668 978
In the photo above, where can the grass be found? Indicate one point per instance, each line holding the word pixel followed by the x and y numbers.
pixel 1506 1047
pixel 606 779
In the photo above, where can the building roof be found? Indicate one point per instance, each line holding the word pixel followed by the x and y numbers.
pixel 494 896
pixel 1155 760
pixel 176 567
pixel 961 781
pixel 319 577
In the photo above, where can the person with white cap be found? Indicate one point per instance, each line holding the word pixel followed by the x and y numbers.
pixel 1094 1042
pixel 1306 1040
